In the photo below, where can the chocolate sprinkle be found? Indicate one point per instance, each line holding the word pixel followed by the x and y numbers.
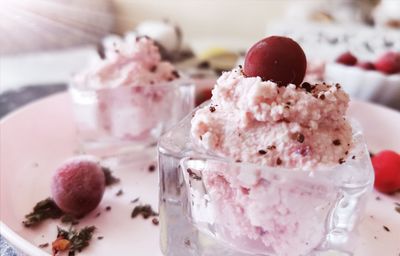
pixel 271 147
pixel 175 74
pixel 135 200
pixel 108 208
pixel 386 228
pixel 341 161
pixel 300 137
pixel 43 245
pixel 153 68
pixel 187 242
pixel 212 109
pixel 322 97
pixel 262 152
pixel 336 142
pixel 278 161
pixel 100 238
pixel 307 86
pixel 119 193
pixel 152 168
pixel 155 221
pixel 397 209
pixel 193 175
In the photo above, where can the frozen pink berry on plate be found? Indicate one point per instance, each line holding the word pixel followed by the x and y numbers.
pixel 347 59
pixel 367 65
pixel 387 171
pixel 389 63
pixel 78 185
pixel 276 58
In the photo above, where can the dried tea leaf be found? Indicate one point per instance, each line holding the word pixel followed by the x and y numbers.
pixel 145 210
pixel 45 209
pixel 110 179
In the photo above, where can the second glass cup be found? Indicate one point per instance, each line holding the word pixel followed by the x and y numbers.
pixel 112 122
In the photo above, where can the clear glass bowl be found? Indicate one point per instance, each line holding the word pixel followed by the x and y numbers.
pixel 117 121
pixel 211 205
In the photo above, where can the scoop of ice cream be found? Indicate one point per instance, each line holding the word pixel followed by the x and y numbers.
pixel 268 214
pixel 134 62
pixel 257 121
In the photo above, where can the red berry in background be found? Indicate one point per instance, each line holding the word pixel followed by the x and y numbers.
pixel 78 185
pixel 276 58
pixel 389 63
pixel 367 65
pixel 387 171
pixel 203 95
pixel 347 59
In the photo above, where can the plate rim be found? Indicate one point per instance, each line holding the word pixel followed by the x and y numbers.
pixel 19 243
pixel 29 105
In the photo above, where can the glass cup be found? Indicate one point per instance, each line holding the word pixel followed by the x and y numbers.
pixel 115 122
pixel 210 205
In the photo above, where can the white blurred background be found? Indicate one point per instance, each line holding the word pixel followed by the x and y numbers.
pixel 46 41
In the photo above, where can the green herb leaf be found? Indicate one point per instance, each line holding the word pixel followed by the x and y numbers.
pixel 45 209
pixel 110 179
pixel 145 210
pixel 78 239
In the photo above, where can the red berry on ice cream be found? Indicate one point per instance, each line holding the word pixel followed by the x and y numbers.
pixel 389 63
pixel 387 171
pixel 276 58
pixel 347 59
pixel 78 185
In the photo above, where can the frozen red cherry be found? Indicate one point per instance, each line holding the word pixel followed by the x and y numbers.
pixel 78 185
pixel 203 95
pixel 387 171
pixel 276 58
pixel 347 59
pixel 389 63
pixel 367 65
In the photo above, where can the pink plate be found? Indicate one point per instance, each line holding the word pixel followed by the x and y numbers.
pixel 37 138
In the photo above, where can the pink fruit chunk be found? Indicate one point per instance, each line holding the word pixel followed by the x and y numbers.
pixel 276 58
pixel 389 63
pixel 78 185
pixel 347 59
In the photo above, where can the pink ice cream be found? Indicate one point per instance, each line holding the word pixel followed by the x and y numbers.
pixel 133 89
pixel 299 128
pixel 250 120
pixel 129 63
